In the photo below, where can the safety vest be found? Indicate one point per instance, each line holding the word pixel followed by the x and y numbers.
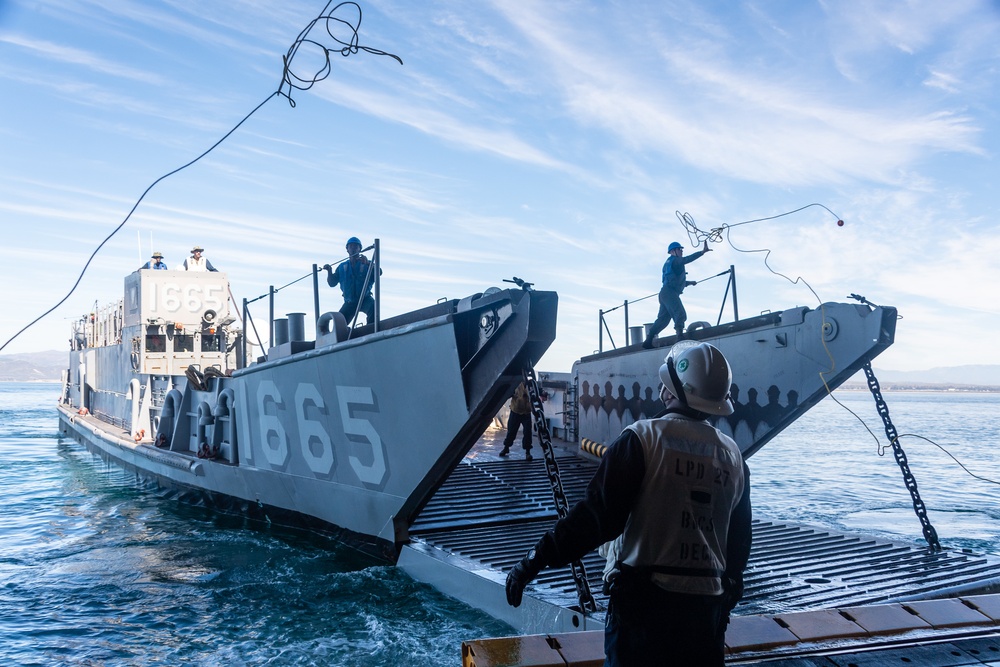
pixel 192 264
pixel 678 528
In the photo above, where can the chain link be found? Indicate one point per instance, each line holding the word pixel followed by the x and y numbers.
pixel 911 483
pixel 583 593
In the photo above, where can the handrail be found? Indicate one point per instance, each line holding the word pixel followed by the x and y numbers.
pixel 603 324
pixel 374 266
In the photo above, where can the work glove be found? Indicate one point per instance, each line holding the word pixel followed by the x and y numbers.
pixel 327 267
pixel 691 282
pixel 732 592
pixel 520 576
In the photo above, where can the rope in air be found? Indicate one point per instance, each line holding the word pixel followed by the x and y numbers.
pixel 346 25
pixel 697 236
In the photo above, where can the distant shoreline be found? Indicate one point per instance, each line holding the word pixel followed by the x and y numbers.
pixel 940 388
pixel 943 388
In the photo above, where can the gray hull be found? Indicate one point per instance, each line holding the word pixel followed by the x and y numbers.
pixel 783 364
pixel 348 436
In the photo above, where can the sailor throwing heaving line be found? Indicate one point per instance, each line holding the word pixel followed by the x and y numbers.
pixel 674 282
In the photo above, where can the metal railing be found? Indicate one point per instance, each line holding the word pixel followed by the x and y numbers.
pixel 373 277
pixel 603 323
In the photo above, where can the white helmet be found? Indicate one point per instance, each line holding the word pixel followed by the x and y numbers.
pixel 699 376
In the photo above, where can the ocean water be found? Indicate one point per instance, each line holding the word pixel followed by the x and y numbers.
pixel 828 469
pixel 97 568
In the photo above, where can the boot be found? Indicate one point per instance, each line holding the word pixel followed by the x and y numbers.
pixel 505 451
pixel 647 344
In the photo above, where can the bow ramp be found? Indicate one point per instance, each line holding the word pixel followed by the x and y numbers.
pixel 783 364
pixel 490 511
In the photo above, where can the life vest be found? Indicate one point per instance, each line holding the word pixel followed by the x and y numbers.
pixel 677 531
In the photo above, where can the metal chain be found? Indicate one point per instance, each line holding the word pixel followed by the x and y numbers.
pixel 911 483
pixel 583 593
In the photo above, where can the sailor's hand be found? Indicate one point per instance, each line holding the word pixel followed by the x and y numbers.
pixel 706 248
pixel 328 267
pixel 732 592
pixel 520 576
pixel 689 283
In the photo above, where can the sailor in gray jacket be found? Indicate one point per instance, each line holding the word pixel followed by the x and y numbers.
pixel 677 491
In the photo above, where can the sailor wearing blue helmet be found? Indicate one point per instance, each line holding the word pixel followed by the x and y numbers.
pixel 356 280
pixel 674 282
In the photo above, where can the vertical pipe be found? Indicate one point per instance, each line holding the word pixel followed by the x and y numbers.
pixel 246 332
pixel 270 316
pixel 315 296
pixel 736 306
pixel 378 285
pixel 600 331
pixel 626 323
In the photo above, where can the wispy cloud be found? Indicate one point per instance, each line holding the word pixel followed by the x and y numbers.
pixel 64 55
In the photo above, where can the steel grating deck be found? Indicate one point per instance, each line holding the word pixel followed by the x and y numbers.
pixel 491 512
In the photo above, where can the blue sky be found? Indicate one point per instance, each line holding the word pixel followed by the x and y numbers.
pixel 553 141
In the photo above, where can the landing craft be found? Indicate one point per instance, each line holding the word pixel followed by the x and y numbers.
pixel 783 364
pixel 349 432
pixel 360 432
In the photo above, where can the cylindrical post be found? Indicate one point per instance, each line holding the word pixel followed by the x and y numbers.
pixel 270 315
pixel 626 322
pixel 246 332
pixel 736 305
pixel 600 331
pixel 315 294
pixel 296 326
pixel 280 327
pixel 636 334
pixel 377 256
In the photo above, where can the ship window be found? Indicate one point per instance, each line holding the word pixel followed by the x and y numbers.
pixel 211 343
pixel 156 343
pixel 183 343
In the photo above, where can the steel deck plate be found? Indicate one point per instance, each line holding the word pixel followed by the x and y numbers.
pixel 491 512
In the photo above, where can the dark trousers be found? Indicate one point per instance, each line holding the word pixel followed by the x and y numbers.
pixel 670 308
pixel 367 307
pixel 514 422
pixel 649 626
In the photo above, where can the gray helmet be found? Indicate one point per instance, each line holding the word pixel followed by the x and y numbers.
pixel 353 239
pixel 674 246
pixel 699 376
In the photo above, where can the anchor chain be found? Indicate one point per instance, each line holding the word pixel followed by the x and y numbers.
pixel 583 593
pixel 911 483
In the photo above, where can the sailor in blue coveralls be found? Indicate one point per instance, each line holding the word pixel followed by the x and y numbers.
pixel 356 280
pixel 674 282
pixel 677 491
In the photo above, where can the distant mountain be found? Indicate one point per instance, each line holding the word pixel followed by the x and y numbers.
pixel 33 366
pixel 981 375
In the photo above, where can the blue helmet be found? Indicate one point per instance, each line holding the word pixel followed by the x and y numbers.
pixel 353 239
pixel 674 246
